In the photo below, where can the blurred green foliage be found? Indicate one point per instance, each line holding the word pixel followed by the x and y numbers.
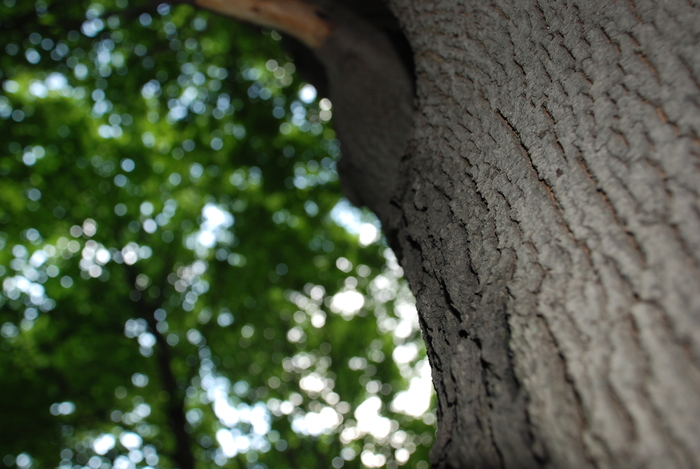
pixel 182 284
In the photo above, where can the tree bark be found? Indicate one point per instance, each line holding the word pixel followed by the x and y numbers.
pixel 546 212
pixel 547 218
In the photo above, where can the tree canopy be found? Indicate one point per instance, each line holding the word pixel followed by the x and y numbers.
pixel 182 283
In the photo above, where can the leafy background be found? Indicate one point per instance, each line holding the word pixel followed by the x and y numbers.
pixel 182 283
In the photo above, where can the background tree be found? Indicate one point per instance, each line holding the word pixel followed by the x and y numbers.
pixel 180 287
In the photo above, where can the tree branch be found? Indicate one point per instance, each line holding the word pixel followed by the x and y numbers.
pixel 306 22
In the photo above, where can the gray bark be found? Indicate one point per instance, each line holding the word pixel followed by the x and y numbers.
pixel 546 213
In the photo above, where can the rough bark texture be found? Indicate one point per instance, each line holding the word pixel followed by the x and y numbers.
pixel 547 215
pixel 548 221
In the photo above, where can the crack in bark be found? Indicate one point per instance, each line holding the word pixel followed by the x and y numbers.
pixel 574 391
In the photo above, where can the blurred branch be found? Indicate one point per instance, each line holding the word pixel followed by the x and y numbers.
pixel 304 21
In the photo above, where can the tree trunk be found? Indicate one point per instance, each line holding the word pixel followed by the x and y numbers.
pixel 546 214
pixel 547 218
